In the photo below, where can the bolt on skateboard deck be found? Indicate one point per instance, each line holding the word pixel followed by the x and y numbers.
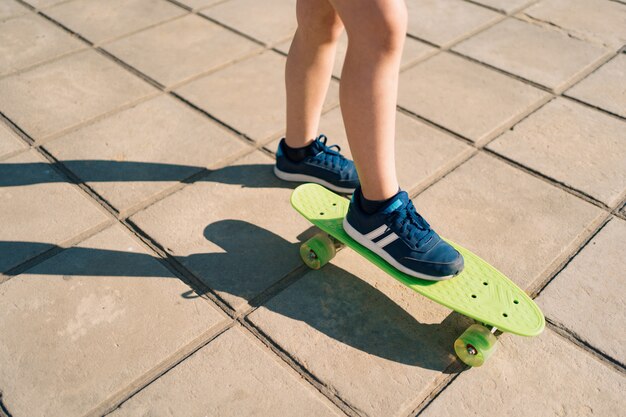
pixel 480 291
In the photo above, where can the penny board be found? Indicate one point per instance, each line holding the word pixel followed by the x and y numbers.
pixel 480 291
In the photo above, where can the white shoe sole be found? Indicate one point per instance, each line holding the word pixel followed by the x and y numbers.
pixel 354 234
pixel 308 178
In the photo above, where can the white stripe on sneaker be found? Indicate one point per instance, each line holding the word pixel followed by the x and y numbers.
pixel 354 234
pixel 376 232
pixel 384 242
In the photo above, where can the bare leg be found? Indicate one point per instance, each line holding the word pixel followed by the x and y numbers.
pixel 369 88
pixel 309 68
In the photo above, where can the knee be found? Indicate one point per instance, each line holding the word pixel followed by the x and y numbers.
pixel 385 32
pixel 321 24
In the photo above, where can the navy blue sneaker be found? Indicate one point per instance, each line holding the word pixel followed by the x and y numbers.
pixel 322 165
pixel 403 238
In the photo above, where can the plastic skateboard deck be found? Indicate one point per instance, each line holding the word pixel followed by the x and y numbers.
pixel 480 291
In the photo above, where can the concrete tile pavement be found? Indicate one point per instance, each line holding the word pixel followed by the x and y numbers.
pixel 585 298
pixel 198 4
pixel 269 22
pixel 29 40
pixel 234 95
pixel 101 21
pixel 9 142
pixel 80 332
pixel 11 8
pixel 545 376
pixel 599 21
pixel 539 54
pixel 506 6
pixel 39 209
pixel 257 385
pixel 62 94
pixel 605 88
pixel 243 199
pixel 136 154
pixel 517 221
pixel 441 88
pixel 108 178
pixel 181 49
pixel 444 22
pixel 552 140
pixel 39 4
pixel 378 347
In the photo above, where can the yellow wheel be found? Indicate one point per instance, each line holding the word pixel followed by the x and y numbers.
pixel 475 345
pixel 317 251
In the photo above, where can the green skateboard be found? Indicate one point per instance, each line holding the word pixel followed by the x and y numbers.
pixel 480 292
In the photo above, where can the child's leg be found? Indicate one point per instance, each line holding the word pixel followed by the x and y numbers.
pixel 299 158
pixel 309 68
pixel 369 84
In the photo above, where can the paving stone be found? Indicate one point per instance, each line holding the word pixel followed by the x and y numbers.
pixel 586 297
pixel 248 96
pixel 204 226
pixel 269 21
pixel 506 6
pixel 28 40
pixel 605 88
pixel 63 93
pixel 133 155
pixel 422 152
pixel 9 142
pixel 516 222
pixel 376 343
pixel 100 21
pixel 444 22
pixel 544 376
pixel 596 20
pixel 40 4
pixel 465 97
pixel 90 321
pixel 199 4
pixel 414 50
pixel 545 56
pixel 231 376
pixel 177 50
pixel 38 210
pixel 9 8
pixel 553 139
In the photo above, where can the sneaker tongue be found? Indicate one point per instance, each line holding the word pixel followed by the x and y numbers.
pixel 397 202
pixel 315 147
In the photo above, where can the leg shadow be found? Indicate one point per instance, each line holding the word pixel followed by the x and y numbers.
pixel 95 171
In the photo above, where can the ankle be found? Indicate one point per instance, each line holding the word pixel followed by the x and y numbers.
pixel 297 154
pixel 372 206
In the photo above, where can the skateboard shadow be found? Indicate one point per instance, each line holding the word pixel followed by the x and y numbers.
pixel 96 171
pixel 333 301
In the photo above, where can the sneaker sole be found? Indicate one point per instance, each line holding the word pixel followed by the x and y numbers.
pixel 354 234
pixel 286 176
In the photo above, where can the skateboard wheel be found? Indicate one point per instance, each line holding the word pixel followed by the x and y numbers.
pixel 475 345
pixel 317 251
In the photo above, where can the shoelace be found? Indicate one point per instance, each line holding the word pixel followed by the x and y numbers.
pixel 413 227
pixel 328 156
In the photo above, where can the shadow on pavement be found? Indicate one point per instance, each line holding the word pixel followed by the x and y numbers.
pixel 93 171
pixel 331 300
